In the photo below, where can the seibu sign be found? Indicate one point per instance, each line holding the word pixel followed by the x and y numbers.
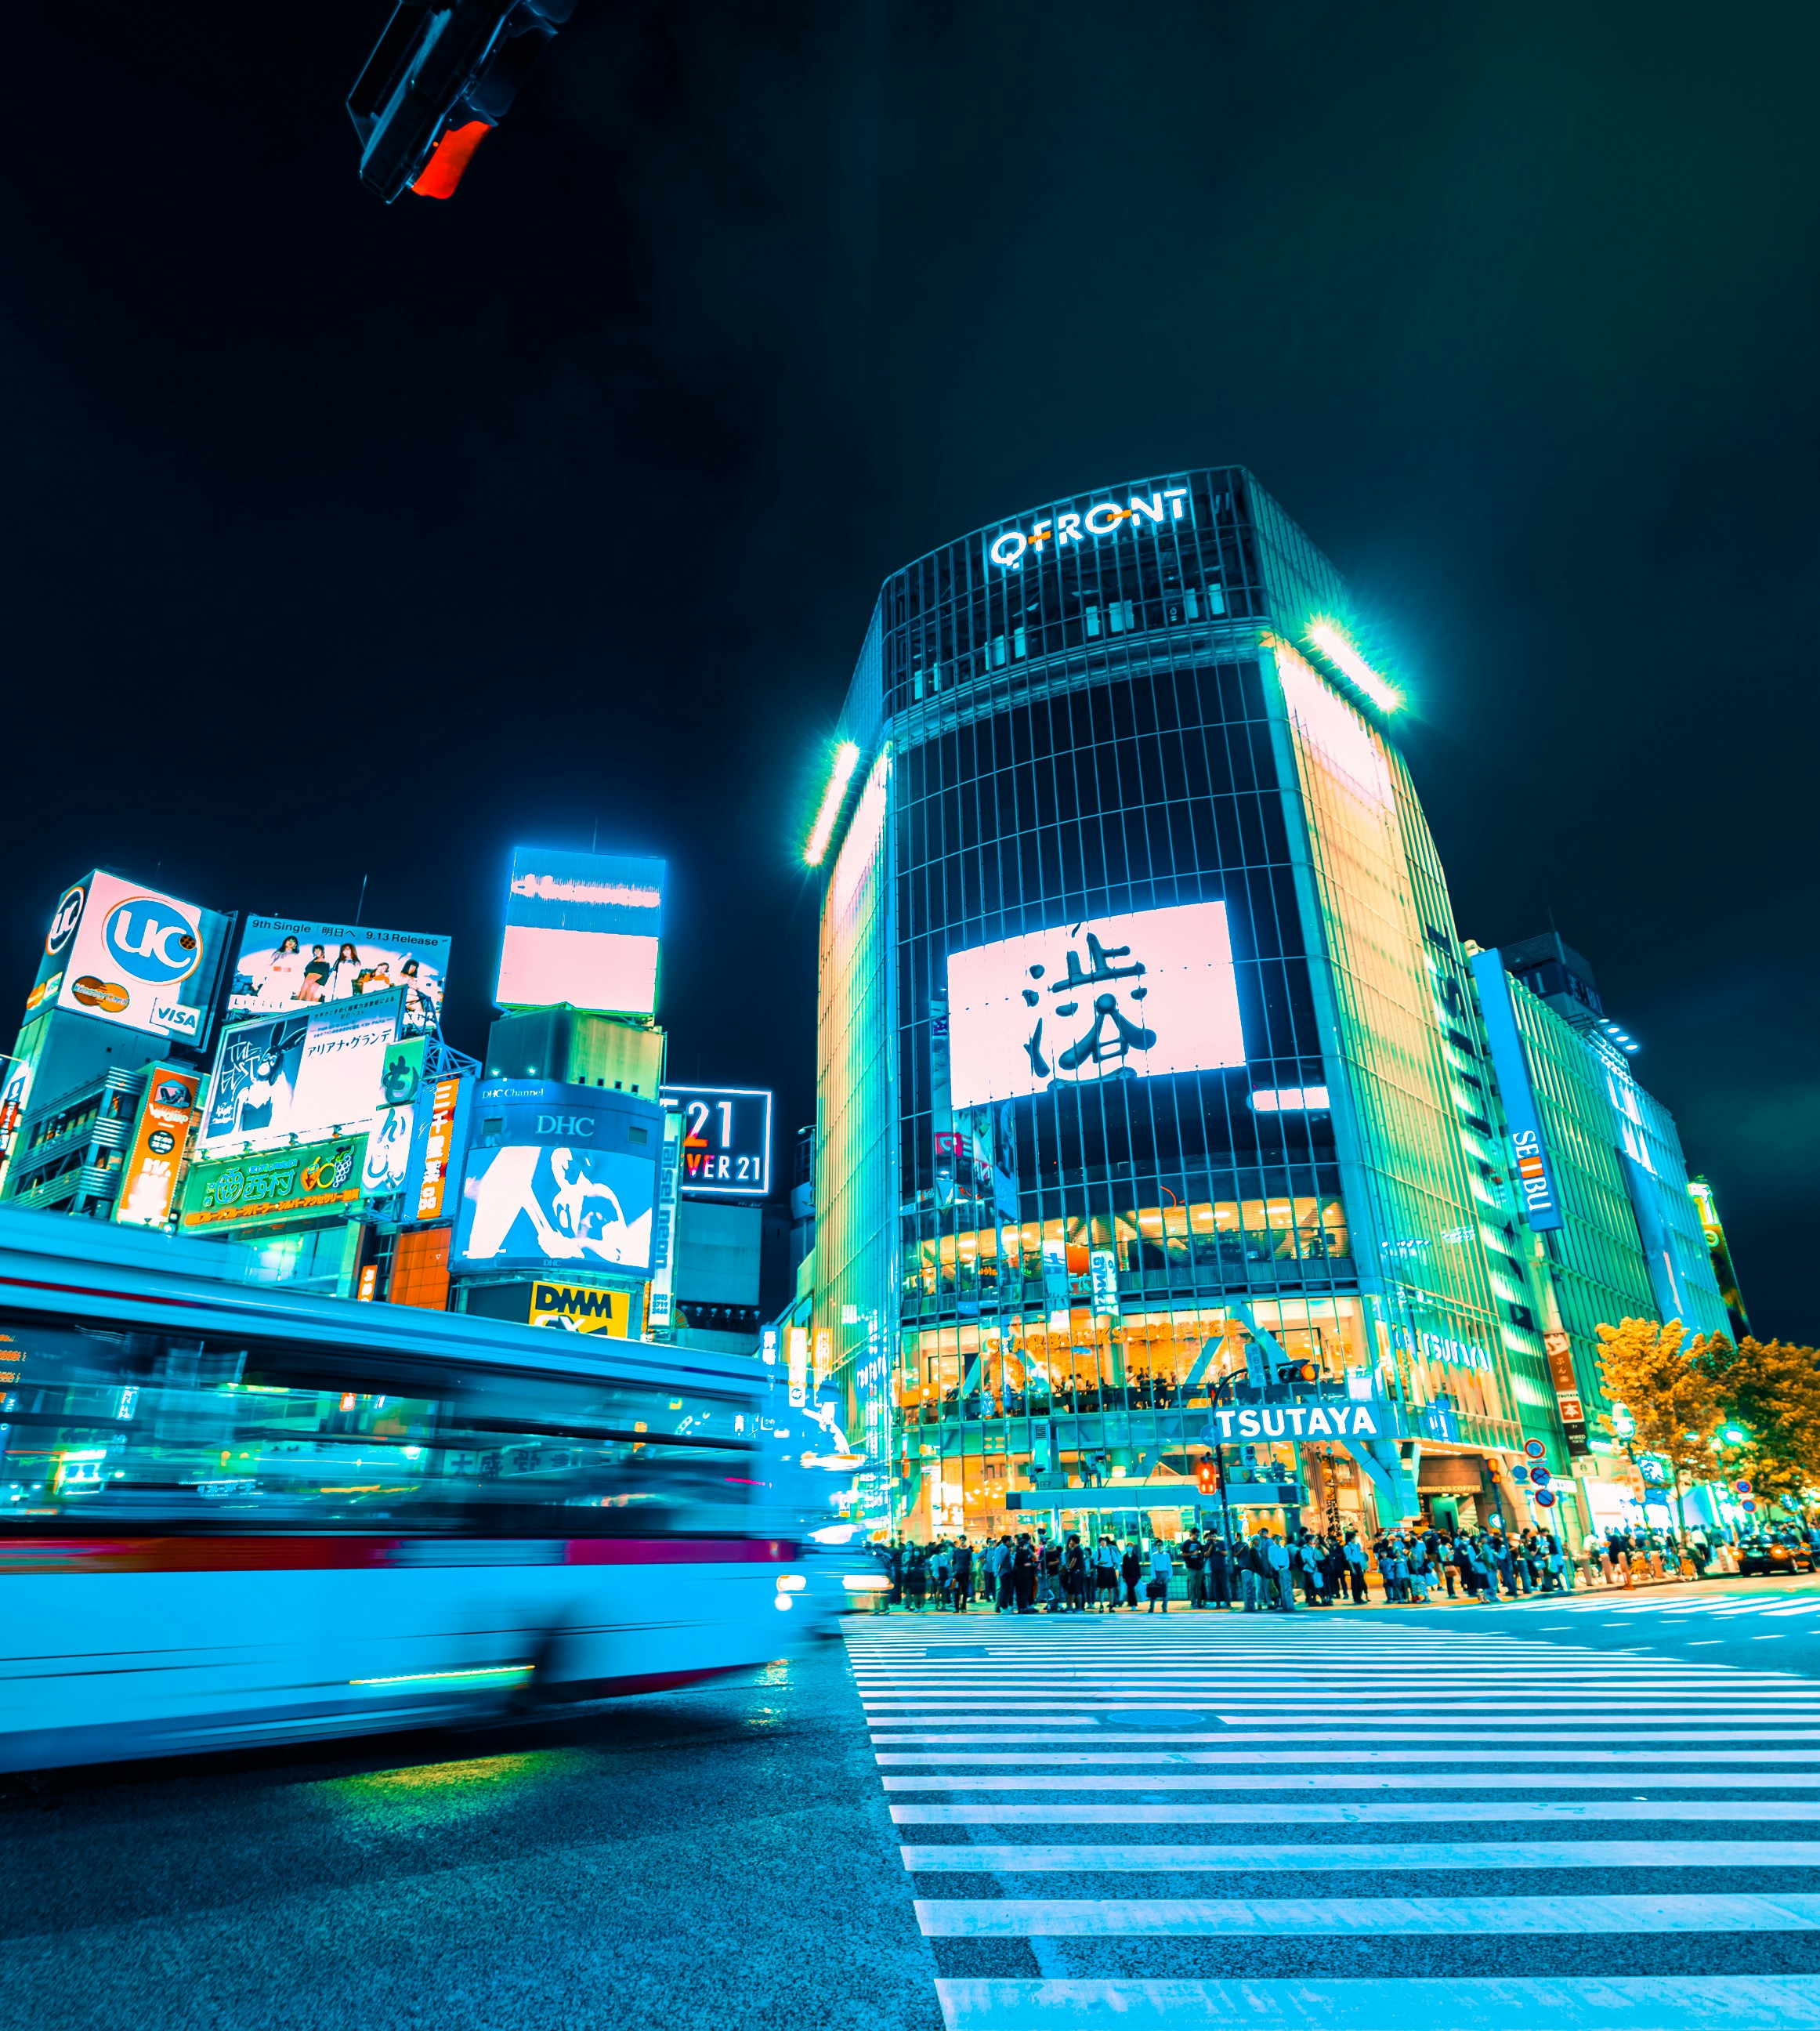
pixel 1300 1420
pixel 1104 518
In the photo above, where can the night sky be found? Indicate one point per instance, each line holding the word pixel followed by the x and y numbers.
pixel 344 541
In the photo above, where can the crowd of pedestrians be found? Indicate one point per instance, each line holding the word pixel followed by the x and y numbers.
pixel 1264 1569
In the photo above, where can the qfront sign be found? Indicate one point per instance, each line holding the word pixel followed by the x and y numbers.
pixel 1104 518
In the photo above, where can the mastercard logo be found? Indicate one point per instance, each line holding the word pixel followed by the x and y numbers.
pixel 108 996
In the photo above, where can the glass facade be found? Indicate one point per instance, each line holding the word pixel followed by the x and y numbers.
pixel 1080 728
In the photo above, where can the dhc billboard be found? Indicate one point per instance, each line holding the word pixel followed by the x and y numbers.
pixel 557 1174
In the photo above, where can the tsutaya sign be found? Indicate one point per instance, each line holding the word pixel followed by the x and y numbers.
pixel 1300 1420
pixel 1103 519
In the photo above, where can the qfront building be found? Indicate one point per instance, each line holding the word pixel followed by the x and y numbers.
pixel 1152 1069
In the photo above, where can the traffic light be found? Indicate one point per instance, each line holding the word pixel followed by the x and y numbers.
pixel 1207 1475
pixel 438 82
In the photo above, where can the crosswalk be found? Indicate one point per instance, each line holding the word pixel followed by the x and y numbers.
pixel 1724 1604
pixel 1301 1822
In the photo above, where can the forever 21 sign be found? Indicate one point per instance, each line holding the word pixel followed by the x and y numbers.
pixel 726 1141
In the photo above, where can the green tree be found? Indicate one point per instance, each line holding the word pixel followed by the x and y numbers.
pixel 1772 1389
pixel 1669 1394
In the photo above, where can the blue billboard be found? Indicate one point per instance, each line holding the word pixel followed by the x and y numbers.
pixel 557 1174
pixel 1535 1171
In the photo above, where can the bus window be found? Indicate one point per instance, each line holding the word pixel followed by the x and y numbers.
pixel 124 1429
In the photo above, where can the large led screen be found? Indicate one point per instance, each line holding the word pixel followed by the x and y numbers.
pixel 525 1206
pixel 291 962
pixel 557 1174
pixel 1113 997
pixel 582 928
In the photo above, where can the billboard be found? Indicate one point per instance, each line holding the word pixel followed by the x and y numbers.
pixel 128 955
pixel 1529 1153
pixel 726 1140
pixel 664 1224
pixel 148 1181
pixel 580 929
pixel 557 1174
pixel 282 1184
pixel 302 1076
pixel 580 1308
pixel 1112 997
pixel 440 1133
pixel 392 1137
pixel 253 1091
pixel 288 963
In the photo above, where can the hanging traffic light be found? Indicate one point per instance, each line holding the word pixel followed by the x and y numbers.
pixel 438 82
pixel 1207 1475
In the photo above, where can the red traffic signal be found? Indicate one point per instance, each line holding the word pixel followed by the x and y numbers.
pixel 1207 1476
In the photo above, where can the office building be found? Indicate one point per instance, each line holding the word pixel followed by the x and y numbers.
pixel 1145 1030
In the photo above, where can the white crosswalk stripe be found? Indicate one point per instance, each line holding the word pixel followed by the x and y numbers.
pixel 1346 1826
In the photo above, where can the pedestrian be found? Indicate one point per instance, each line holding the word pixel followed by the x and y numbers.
pixel 1354 1553
pixel 1278 1553
pixel 1219 1573
pixel 1245 1556
pixel 963 1575
pixel 916 1579
pixel 1049 1577
pixel 1420 1572
pixel 1162 1572
pixel 1131 1571
pixel 1194 1558
pixel 1024 1569
pixel 1074 1577
pixel 1106 1574
pixel 1308 1559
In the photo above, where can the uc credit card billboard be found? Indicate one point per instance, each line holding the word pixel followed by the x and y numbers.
pixel 581 930
pixel 125 954
pixel 557 1176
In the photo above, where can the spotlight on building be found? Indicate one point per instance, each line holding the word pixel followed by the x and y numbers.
pixel 1338 652
pixel 845 761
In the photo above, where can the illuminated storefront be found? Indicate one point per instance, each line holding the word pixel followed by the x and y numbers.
pixel 1145 1027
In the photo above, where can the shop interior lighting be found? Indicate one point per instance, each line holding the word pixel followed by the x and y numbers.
pixel 845 761
pixel 1346 658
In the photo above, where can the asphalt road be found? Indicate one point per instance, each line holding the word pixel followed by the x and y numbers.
pixel 715 1857
pixel 727 1856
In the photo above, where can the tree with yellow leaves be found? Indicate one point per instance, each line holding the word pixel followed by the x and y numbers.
pixel 1771 1388
pixel 1669 1394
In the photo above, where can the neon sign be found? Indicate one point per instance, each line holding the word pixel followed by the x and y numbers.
pixel 1104 518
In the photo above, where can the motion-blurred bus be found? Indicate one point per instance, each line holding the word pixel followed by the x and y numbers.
pixel 233 1515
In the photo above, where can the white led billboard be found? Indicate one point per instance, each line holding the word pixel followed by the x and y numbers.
pixel 285 1078
pixel 1111 997
pixel 581 928
pixel 288 963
